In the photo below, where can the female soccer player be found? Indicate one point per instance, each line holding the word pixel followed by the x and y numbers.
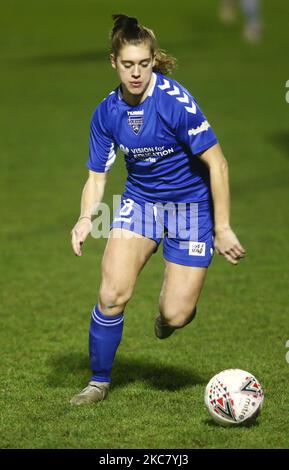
pixel 177 189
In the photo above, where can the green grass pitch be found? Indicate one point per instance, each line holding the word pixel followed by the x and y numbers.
pixel 54 71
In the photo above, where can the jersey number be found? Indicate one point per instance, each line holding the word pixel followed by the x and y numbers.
pixel 126 208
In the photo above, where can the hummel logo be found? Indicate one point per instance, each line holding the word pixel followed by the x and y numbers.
pixel 183 98
pixel 175 91
pixel 165 85
pixel 135 113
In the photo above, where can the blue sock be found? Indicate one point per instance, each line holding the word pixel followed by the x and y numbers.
pixel 104 337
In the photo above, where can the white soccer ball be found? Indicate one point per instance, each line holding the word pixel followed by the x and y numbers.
pixel 234 396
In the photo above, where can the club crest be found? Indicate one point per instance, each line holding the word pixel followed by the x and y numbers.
pixel 135 120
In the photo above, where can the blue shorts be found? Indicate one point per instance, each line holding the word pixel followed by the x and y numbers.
pixel 186 228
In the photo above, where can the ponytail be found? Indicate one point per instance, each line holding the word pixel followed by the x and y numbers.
pixel 165 63
pixel 127 30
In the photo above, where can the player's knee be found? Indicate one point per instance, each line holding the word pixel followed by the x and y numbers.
pixel 179 318
pixel 177 321
pixel 113 298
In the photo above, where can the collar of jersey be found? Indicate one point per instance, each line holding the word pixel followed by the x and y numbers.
pixel 150 93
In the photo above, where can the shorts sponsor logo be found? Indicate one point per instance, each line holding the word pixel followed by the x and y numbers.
pixel 197 249
pixel 202 128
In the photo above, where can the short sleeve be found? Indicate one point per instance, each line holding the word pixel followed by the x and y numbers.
pixel 193 129
pixel 102 149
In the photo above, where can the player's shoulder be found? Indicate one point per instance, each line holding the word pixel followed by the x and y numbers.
pixel 173 96
pixel 106 108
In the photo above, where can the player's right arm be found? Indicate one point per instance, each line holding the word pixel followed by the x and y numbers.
pixel 102 154
pixel 92 194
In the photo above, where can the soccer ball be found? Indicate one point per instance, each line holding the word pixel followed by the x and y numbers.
pixel 234 396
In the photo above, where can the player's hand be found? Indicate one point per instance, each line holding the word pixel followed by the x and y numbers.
pixel 79 234
pixel 227 244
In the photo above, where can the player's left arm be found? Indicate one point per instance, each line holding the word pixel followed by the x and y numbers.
pixel 226 242
pixel 193 129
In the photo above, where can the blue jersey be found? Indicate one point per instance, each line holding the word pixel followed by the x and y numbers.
pixel 160 139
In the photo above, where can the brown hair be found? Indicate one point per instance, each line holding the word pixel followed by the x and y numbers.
pixel 127 30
